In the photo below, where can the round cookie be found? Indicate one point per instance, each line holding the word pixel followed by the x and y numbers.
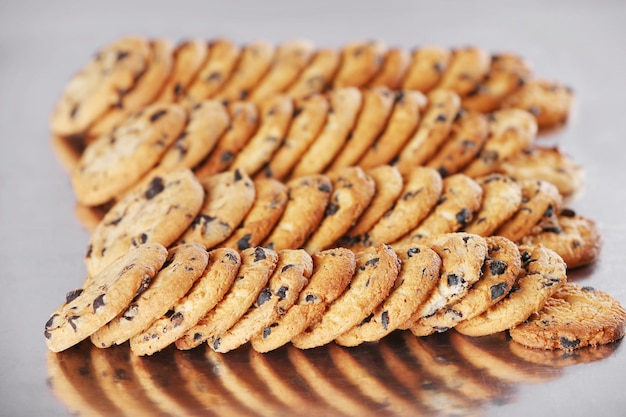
pixel 434 128
pixel 377 106
pixel 308 120
pixel 99 85
pixel 207 291
pixel 545 274
pixel 395 66
pixel 276 115
pixel 269 204
pixel 345 105
pixel 308 198
pixel 360 62
pixel 510 132
pixel 352 192
pixel 114 162
pixel 332 272
pixel 318 74
pixel 185 263
pixel 244 121
pixel 207 121
pixel 418 276
pixel 257 266
pixel 158 211
pixel 228 198
pixel 291 59
pixel 254 62
pixel 400 127
pixel 377 270
pixel 104 297
pixel 549 101
pixel 502 197
pixel 427 66
pixel 467 69
pixel 573 317
pixel 189 56
pixel 292 272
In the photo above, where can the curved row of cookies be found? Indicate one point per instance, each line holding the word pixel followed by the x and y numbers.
pixel 479 286
pixel 130 73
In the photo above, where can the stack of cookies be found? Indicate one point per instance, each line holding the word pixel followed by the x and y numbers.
pixel 284 194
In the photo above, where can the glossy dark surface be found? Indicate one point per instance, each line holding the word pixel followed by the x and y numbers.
pixel 42 240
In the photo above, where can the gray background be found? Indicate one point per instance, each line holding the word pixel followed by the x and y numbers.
pixel 581 43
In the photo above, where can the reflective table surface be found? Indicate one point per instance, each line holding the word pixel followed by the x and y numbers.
pixel 43 236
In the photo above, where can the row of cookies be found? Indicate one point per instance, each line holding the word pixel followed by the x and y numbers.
pixel 153 297
pixel 281 140
pixel 132 72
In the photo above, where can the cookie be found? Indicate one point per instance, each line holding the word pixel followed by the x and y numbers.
pixel 561 358
pixel 461 197
pixel 207 122
pixel 99 85
pixel 549 101
pixel 421 192
pixel 318 74
pixel 572 318
pixel 308 120
pixel 468 135
pixel 189 57
pixel 292 271
pixel 257 266
pixel 467 69
pixel 395 66
pixel 428 64
pixel 207 291
pixel 434 128
pixel 360 62
pixel 508 73
pixel 400 127
pixel 254 62
pixel 114 162
pixel 308 198
pixel 539 199
pixel 577 239
pixel 159 212
pixel 228 198
pixel 388 185
pixel 547 164
pixel 269 204
pixel 216 71
pixel 376 109
pixel 418 276
pixel 544 275
pixel 104 297
pixel 244 121
pixel 345 104
pixel 502 197
pixel 185 263
pixel 510 132
pixel 145 90
pixel 291 59
pixel 353 190
pixel 332 272
pixel 377 270
pixel 276 114
pixel 499 271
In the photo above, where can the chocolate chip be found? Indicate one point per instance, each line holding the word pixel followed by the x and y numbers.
pixel 227 156
pixel 411 194
pixel 588 289
pixel 237 175
pixel 121 55
pixel 259 254
pixel 71 296
pixel 178 88
pixel 116 221
pixel 98 302
pixel 157 115
pixel 567 212
pixel 131 312
pixel 244 242
pixel 372 262
pixel 197 337
pixel 281 293
pixel 51 320
pixel 399 96
pixel 325 188
pixel 47 334
pixel 497 290
pixel 497 267
pixel 266 332
pixel 155 187
pixel 454 280
pixel 569 344
pixel 525 256
pixel 216 343
pixel 71 321
pixel 553 229
pixel 331 209
pixel 202 220
pixel 384 319
pixel 264 296
pixel 463 217
pixel 88 252
pixel 296 112
pixel 310 298
pixel 441 117
pixel 534 110
pixel 287 267
pixel 412 251
pixel 177 319
pixel 442 171
pixel 549 211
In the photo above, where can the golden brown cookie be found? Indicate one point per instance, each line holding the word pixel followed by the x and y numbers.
pixel 573 317
pixel 502 197
pixel 400 127
pixel 467 69
pixel 207 291
pixel 549 101
pixel 428 63
pixel 104 297
pixel 360 62
pixel 395 66
pixel 545 274
pixel 305 209
pixel 332 272
pixel 353 190
pixel 189 56
pixel 317 76
pixel 257 265
pixel 377 270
